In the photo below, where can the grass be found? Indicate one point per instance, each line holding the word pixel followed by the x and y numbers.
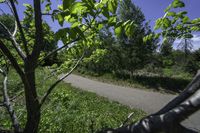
pixel 152 82
pixel 69 109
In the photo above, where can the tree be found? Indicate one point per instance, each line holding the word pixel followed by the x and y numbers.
pixel 166 52
pixel 167 47
pixel 186 46
pixel 103 57
pixel 192 62
pixel 82 15
pixel 135 53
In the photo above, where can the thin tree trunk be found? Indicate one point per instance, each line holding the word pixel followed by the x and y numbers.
pixel 32 102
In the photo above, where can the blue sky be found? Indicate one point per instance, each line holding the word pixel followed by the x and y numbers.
pixel 152 10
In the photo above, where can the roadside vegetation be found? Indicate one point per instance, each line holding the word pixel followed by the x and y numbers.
pixel 68 109
pixel 141 80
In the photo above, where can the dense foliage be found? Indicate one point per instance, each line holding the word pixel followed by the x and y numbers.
pixel 128 56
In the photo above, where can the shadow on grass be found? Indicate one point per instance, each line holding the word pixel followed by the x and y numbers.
pixel 166 84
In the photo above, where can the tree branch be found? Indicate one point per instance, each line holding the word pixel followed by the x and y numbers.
pixel 17 95
pixel 13 9
pixel 38 33
pixel 8 105
pixel 15 31
pixel 13 61
pixel 58 49
pixel 58 81
pixel 47 14
pixel 14 42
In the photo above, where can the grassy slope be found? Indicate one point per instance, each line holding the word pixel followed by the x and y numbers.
pixel 69 109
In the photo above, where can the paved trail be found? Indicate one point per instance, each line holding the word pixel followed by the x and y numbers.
pixel 148 101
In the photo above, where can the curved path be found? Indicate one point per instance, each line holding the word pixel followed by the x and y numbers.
pixel 147 101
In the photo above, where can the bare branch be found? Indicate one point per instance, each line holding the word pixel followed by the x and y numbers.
pixel 1 71
pixel 8 105
pixel 58 49
pixel 47 14
pixel 17 95
pixel 58 81
pixel 5 28
pixel 15 31
pixel 18 49
pixel 2 11
pixel 127 119
pixel 14 42
pixel 13 9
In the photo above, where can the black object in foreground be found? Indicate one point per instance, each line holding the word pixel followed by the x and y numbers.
pixel 168 119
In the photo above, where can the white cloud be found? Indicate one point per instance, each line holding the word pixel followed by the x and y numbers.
pixel 196 42
pixel 177 41
pixel 196 38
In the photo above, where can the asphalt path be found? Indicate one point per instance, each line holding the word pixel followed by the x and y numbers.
pixel 148 101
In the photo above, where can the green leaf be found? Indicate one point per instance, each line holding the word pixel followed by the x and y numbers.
pixel 99 6
pixel 71 18
pixel 179 27
pixel 194 21
pixel 67 4
pixel 166 23
pixel 112 5
pixel 100 26
pixel 178 3
pixel 75 24
pixel 105 12
pixel 188 36
pixel 61 33
pixel 118 30
pixel 168 8
pixel 2 1
pixel 195 28
pixel 171 14
pixel 60 19
pixel 48 7
pixel 28 6
pixel 72 33
pixel 77 7
pixel 158 24
pixel 129 28
pixel 185 19
pixel 80 32
pixel 112 21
